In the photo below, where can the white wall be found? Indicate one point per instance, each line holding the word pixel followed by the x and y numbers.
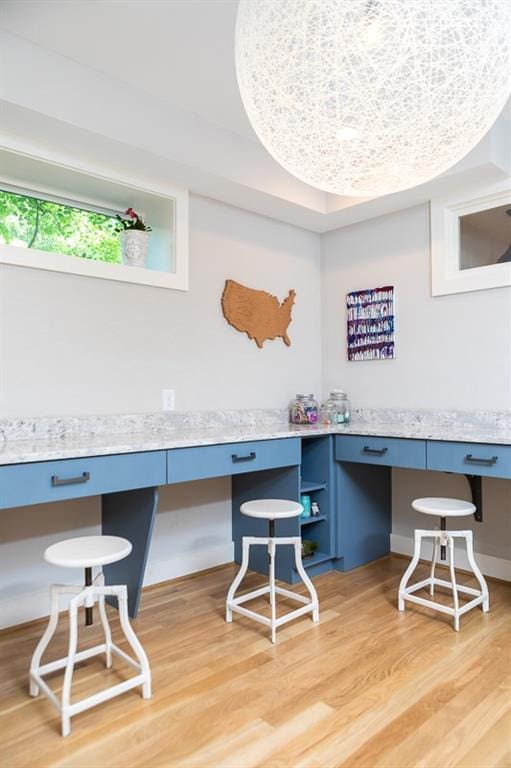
pixel 452 352
pixel 83 345
pixel 80 345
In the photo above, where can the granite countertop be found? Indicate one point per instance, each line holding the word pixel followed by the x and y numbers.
pixel 153 437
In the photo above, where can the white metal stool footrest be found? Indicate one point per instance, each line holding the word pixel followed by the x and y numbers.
pixel 87 596
pixel 310 604
pixel 444 539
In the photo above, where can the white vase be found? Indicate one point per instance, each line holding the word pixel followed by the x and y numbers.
pixel 134 245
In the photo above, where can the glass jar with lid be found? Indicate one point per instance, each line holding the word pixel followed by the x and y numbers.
pixel 325 414
pixel 339 408
pixel 304 410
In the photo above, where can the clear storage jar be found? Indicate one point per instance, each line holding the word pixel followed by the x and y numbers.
pixel 338 407
pixel 325 414
pixel 304 410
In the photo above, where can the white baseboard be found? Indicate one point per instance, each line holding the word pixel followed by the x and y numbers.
pixel 191 561
pixel 24 607
pixel 497 567
pixel 36 604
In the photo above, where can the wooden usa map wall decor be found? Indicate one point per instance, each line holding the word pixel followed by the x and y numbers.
pixel 257 313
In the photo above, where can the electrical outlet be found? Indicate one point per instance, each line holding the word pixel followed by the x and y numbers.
pixel 168 399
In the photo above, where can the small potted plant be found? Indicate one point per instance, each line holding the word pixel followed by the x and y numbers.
pixel 308 548
pixel 134 238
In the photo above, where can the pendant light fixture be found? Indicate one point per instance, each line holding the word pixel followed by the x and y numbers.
pixel 368 97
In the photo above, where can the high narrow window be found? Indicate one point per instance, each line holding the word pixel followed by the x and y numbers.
pixel 63 218
pixel 34 222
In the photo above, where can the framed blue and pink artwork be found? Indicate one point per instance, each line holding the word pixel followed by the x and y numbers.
pixel 371 324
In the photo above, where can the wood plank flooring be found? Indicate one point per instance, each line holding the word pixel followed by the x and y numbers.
pixel 368 687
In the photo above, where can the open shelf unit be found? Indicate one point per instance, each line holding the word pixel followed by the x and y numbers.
pixel 316 482
pixel 313 475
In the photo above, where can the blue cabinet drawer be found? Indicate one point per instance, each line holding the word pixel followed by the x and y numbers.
pixel 22 484
pixel 230 459
pixel 470 458
pixel 387 451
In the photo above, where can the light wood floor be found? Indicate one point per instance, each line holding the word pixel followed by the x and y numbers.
pixel 366 687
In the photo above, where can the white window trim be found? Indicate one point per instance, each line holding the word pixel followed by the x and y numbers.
pixel 57 262
pixel 446 275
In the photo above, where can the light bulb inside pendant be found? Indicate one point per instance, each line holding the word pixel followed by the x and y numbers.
pixel 346 133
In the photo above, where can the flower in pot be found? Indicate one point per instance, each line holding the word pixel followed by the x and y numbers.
pixel 134 238
pixel 308 548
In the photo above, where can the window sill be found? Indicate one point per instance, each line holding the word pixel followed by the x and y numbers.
pixel 57 262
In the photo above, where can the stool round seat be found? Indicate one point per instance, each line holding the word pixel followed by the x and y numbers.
pixel 441 507
pixel 443 542
pixel 271 509
pixel 87 551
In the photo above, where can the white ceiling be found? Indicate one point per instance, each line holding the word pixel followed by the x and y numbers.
pixel 160 75
pixel 181 51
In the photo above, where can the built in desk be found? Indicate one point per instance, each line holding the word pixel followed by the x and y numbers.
pixel 347 470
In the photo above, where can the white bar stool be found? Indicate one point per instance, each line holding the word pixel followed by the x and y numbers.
pixel 271 510
pixel 88 552
pixel 444 539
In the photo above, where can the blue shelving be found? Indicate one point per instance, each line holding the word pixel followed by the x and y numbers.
pixel 312 519
pixel 309 487
pixel 317 557
pixel 312 474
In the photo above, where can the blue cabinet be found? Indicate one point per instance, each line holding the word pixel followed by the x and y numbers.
pixel 470 458
pixel 384 451
pixel 363 493
pixel 22 484
pixel 231 459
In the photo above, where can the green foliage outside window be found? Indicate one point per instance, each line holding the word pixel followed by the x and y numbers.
pixel 58 228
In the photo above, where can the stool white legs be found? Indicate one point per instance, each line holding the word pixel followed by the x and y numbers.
pixel 273 602
pixel 55 591
pixel 411 568
pixel 306 580
pixel 104 622
pixel 245 553
pixel 444 538
pixel 477 573
pixel 436 547
pixel 87 596
pixel 450 544
pixel 310 604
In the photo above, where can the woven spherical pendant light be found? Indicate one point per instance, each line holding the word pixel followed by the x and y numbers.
pixel 367 97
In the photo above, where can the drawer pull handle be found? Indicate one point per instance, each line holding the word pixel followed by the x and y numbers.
pixel 484 462
pixel 251 456
pixel 375 451
pixel 83 478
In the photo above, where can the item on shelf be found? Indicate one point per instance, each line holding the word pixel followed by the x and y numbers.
pixel 308 548
pixel 315 512
pixel 338 407
pixel 134 238
pixel 325 414
pixel 305 501
pixel 304 410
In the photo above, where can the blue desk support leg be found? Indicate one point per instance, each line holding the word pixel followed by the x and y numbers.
pixel 130 514
pixel 363 513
